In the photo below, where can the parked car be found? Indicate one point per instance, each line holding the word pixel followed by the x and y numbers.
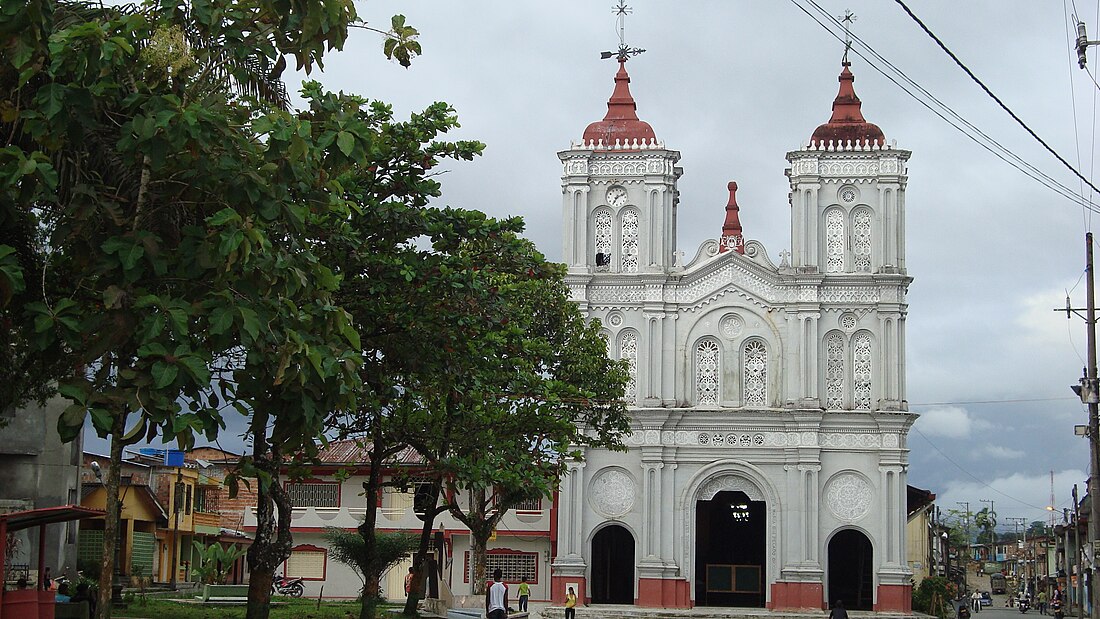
pixel 987 600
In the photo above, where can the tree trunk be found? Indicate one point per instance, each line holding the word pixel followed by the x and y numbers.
pixel 479 540
pixel 368 530
pixel 111 521
pixel 272 544
pixel 416 587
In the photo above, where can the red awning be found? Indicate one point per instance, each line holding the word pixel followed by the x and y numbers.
pixel 17 521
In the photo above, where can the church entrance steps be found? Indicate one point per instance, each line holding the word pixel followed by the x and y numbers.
pixel 617 611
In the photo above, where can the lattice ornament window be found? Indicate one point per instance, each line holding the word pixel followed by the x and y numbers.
pixel 603 239
pixel 628 350
pixel 530 505
pixel 861 240
pixel 861 371
pixel 834 370
pixel 314 494
pixel 708 368
pixel 755 373
pixel 514 566
pixel 835 240
pixel 630 241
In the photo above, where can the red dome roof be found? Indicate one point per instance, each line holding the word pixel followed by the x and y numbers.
pixel 847 122
pixel 621 122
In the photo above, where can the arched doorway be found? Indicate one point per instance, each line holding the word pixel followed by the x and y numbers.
pixel 730 550
pixel 612 566
pixel 850 577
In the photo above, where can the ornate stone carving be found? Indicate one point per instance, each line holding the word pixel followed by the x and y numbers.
pixel 848 496
pixel 615 319
pixel 732 326
pixel 731 483
pixel 612 492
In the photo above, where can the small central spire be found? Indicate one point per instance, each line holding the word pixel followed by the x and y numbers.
pixel 848 18
pixel 733 237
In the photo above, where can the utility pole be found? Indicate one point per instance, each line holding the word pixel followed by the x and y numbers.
pixel 992 530
pixel 1016 522
pixel 966 561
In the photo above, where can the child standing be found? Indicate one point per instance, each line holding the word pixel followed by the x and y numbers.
pixel 524 593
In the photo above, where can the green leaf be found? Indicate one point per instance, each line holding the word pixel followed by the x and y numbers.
pixel 346 142
pixel 251 323
pixel 223 217
pixel 163 374
pixel 71 421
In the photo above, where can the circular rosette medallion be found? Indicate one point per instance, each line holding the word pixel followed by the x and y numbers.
pixel 611 493
pixel 848 497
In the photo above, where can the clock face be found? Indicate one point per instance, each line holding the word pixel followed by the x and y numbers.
pixel 616 196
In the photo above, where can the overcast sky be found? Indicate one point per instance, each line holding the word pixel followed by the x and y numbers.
pixel 735 84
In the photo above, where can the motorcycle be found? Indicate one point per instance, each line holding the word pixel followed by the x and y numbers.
pixel 1024 605
pixel 288 586
pixel 1056 609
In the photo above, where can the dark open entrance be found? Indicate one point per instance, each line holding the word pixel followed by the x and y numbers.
pixel 612 566
pixel 730 533
pixel 850 570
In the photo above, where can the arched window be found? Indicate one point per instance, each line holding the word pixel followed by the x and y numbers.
pixel 861 240
pixel 708 369
pixel 603 239
pixel 628 350
pixel 754 357
pixel 630 241
pixel 834 370
pixel 861 371
pixel 835 241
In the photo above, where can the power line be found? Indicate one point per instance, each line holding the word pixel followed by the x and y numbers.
pixel 969 130
pixel 980 481
pixel 1010 401
pixel 994 97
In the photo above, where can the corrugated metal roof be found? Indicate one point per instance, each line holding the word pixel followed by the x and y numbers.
pixel 353 451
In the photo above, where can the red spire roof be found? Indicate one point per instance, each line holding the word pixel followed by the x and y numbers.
pixel 732 237
pixel 847 122
pixel 621 122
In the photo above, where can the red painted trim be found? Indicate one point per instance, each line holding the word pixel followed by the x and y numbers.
pixel 797 595
pixel 557 589
pixel 310 548
pixel 664 593
pixel 895 598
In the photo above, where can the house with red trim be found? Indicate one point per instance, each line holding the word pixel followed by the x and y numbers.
pixel 332 496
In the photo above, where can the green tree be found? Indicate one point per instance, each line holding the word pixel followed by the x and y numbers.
pixel 349 548
pixel 553 391
pixel 130 200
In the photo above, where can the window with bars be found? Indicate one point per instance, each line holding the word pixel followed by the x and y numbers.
pixel 206 499
pixel 531 505
pixel 314 494
pixel 513 566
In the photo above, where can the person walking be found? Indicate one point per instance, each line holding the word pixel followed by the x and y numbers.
pixel 524 594
pixel 838 611
pixel 1042 599
pixel 496 598
pixel 976 601
pixel 570 604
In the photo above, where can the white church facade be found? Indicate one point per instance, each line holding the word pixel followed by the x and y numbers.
pixel 767 464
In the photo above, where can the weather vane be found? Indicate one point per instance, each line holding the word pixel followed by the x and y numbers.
pixel 848 18
pixel 621 11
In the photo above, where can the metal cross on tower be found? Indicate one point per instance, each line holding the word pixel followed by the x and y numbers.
pixel 848 18
pixel 621 10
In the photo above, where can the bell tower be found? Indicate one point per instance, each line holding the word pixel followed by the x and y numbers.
pixel 619 188
pixel 848 194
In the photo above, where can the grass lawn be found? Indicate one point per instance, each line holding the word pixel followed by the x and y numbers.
pixel 298 609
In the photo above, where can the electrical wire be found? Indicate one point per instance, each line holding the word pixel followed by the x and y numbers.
pixel 968 129
pixel 1085 214
pixel 994 97
pixel 980 481
pixel 1010 401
